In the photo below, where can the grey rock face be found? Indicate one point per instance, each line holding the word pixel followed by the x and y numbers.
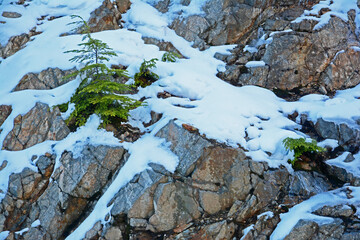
pixel 163 46
pixel 187 146
pixel 217 180
pixel 24 189
pixel 224 22
pixel 263 227
pixel 175 204
pixel 218 230
pixel 59 202
pixel 336 211
pixel 298 62
pixel 343 175
pixel 129 197
pixel 113 233
pixel 348 135
pixel 350 236
pixel 298 59
pixel 303 230
pixel 228 22
pixel 47 79
pixel 306 184
pixel 14 44
pixel 85 176
pixel 307 229
pixel 213 181
pixel 343 226
pixel 94 232
pixel 38 125
pixel 343 71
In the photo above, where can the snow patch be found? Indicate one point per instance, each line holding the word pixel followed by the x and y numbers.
pixel 254 64
pixel 331 143
pixel 304 210
pixel 249 116
pixel 36 223
pixel 148 149
pixel 268 214
pixel 338 8
pixel 21 232
pixel 246 231
pixel 352 166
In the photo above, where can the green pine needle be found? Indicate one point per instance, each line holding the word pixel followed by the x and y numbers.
pixel 97 93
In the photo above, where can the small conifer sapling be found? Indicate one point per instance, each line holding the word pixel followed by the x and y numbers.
pixel 97 92
pixel 170 57
pixel 145 76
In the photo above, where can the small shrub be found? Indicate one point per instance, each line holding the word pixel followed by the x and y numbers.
pixel 300 146
pixel 63 107
pixel 145 76
pixel 97 92
pixel 170 57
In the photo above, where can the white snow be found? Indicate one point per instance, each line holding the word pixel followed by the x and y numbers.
pixel 253 64
pixel 338 8
pixel 246 231
pixel 250 49
pixel 176 9
pixel 4 235
pixel 22 231
pixel 36 223
pixel 352 167
pixel 268 214
pixel 304 210
pixel 32 14
pixel 142 152
pixel 250 117
pixel 331 143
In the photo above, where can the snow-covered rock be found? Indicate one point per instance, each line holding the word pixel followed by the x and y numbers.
pixel 202 158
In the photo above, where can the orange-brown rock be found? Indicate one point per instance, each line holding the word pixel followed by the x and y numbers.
pixel 38 125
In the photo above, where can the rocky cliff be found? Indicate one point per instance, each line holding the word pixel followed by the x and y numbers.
pixel 204 158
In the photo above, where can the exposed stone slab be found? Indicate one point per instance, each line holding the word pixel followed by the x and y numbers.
pixel 38 125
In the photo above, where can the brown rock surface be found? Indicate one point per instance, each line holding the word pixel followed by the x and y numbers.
pixel 218 163
pixel 5 111
pixel 108 15
pixel 38 125
pixel 11 14
pixel 229 21
pixel 47 79
pixel 300 61
pixel 343 71
pixel 220 230
pixel 15 43
pixel 175 204
pixel 76 184
pixel 24 189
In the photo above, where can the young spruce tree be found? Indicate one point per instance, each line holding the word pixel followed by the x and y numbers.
pixel 97 92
